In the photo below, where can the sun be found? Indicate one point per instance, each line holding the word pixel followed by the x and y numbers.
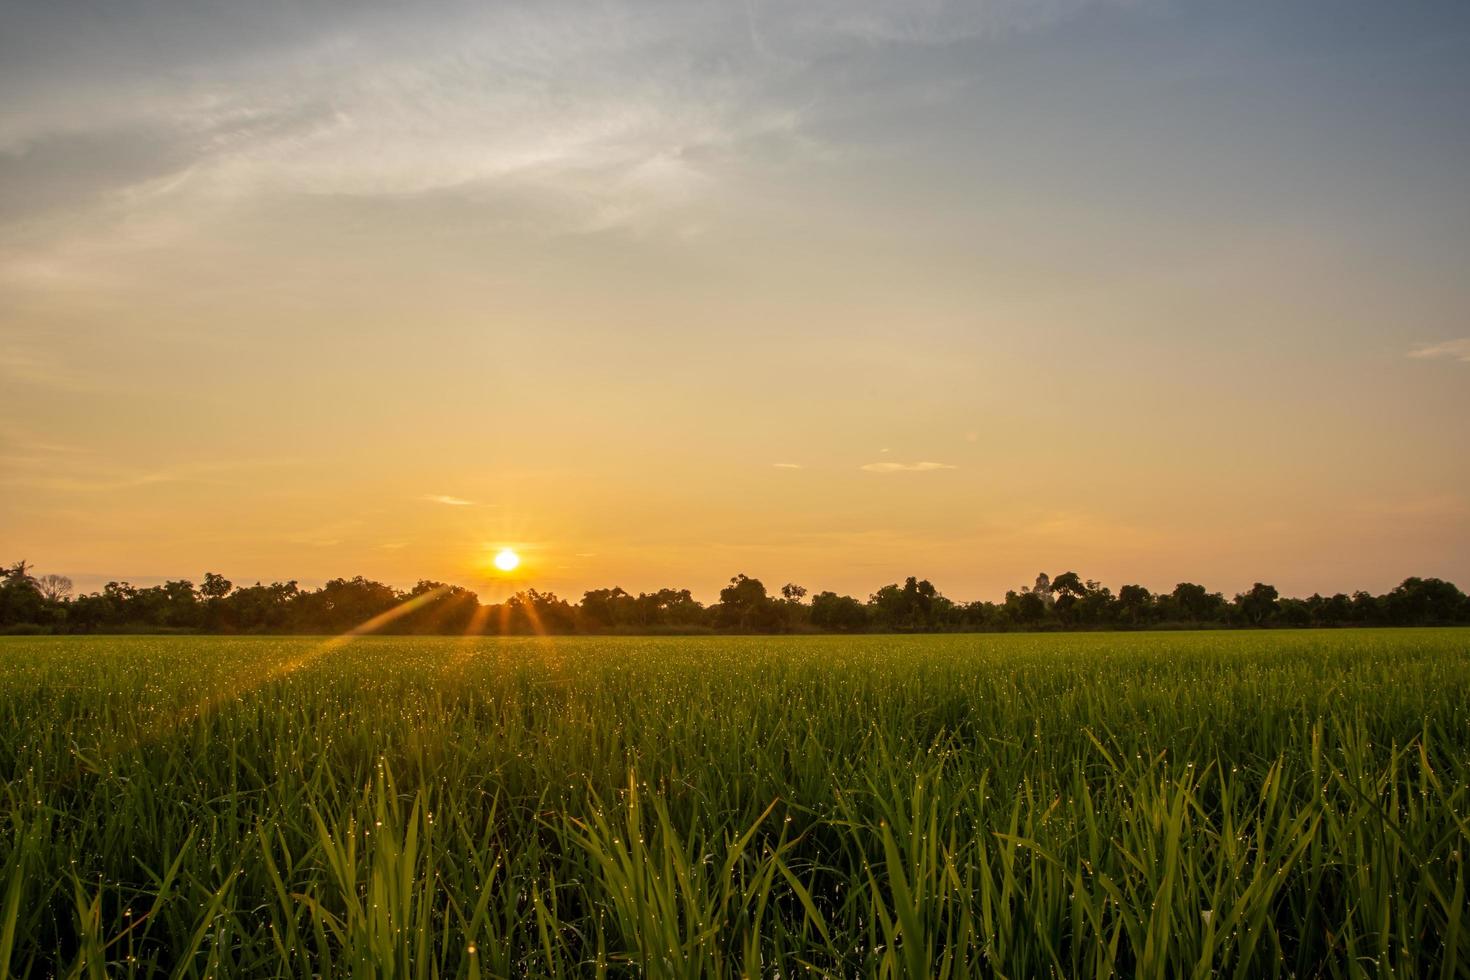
pixel 507 560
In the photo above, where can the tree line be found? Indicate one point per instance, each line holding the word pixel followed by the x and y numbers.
pixel 46 604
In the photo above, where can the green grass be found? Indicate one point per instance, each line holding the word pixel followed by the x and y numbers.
pixel 1157 805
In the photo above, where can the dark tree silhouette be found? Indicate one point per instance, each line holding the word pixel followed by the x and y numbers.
pixel 29 604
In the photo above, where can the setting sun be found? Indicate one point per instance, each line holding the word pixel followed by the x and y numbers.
pixel 507 560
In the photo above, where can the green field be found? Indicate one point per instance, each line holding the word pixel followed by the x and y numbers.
pixel 1164 805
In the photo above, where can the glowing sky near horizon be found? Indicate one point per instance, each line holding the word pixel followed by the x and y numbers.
pixel 654 293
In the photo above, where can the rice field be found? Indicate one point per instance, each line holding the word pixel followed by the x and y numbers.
pixel 1252 804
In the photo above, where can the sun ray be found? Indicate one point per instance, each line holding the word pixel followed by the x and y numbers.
pixel 252 679
pixel 469 641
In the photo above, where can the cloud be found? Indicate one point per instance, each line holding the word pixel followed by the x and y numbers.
pixel 1457 349
pixel 590 114
pixel 787 466
pixel 446 500
pixel 602 114
pixel 920 467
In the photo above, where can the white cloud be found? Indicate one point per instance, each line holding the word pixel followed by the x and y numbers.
pixel 920 467
pixel 446 500
pixel 596 114
pixel 590 115
pixel 787 466
pixel 1457 349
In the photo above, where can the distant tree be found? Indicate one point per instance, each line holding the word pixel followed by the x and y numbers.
pixel 89 613
pixel 1068 584
pixel 1367 609
pixel 1067 590
pixel 745 605
pixel 1336 611
pixel 603 609
pixel 1424 602
pixel 172 605
pixel 438 608
pixel 1324 611
pixel 1025 608
pixel 1294 612
pixel 29 602
pixel 1259 604
pixel 54 588
pixel 18 573
pixel 1135 605
pixel 1195 604
pixel 257 608
pixel 840 613
pixel 907 608
pixel 343 604
pixel 215 587
pixel 978 615
pixel 21 601
pixel 182 604
pixel 674 608
pixel 1096 607
pixel 538 612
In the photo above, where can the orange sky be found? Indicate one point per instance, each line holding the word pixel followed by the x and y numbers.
pixel 1153 292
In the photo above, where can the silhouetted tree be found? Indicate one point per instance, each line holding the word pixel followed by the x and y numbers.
pixel 1195 604
pixel 1135 605
pixel 1424 601
pixel 907 608
pixel 343 604
pixel 745 605
pixel 260 608
pixel 1367 609
pixel 1258 605
pixel 839 613
pixel 39 604
pixel 21 600
pixel 603 609
pixel 215 587
pixel 1025 608
pixel 672 608
pixel 54 588
pixel 1096 605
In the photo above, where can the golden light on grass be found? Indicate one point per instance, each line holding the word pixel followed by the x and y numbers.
pixel 507 560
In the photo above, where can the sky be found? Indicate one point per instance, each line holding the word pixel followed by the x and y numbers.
pixel 655 293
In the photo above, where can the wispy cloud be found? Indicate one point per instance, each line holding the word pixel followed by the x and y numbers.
pixel 579 115
pixel 920 467
pixel 1457 349
pixel 788 466
pixel 446 500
